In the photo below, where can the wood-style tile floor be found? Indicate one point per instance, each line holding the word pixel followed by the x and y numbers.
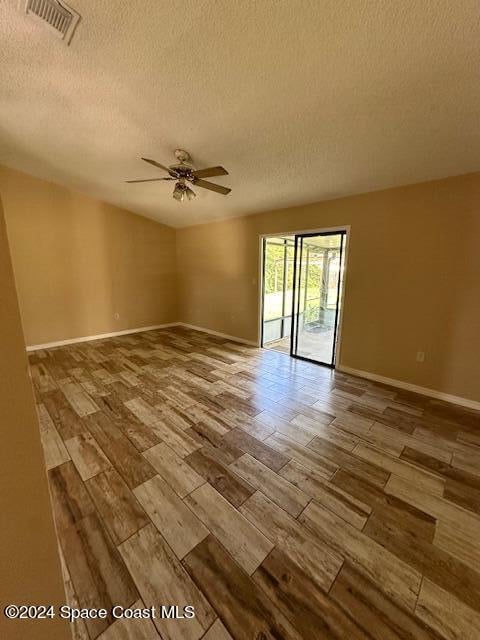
pixel 278 498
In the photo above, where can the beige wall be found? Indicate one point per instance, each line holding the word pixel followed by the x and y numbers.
pixel 30 569
pixel 79 261
pixel 413 281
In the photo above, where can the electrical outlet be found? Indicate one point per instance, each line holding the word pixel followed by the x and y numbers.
pixel 420 356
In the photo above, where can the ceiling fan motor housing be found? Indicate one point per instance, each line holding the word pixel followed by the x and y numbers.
pixel 185 166
pixel 182 169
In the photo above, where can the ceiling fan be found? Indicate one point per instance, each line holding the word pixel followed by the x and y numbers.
pixel 184 172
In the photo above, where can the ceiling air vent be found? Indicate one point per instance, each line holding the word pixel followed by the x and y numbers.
pixel 58 16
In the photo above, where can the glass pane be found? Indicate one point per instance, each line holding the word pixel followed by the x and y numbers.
pixel 274 267
pixel 272 330
pixel 318 262
pixel 278 292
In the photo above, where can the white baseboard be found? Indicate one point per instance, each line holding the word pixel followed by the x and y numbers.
pixel 424 391
pixel 99 336
pixel 217 333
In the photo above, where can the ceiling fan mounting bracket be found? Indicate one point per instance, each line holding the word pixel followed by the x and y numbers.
pixel 183 156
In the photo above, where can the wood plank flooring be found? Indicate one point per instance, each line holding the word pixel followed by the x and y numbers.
pixel 278 498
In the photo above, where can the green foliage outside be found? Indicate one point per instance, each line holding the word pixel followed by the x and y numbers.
pixel 274 276
pixel 274 269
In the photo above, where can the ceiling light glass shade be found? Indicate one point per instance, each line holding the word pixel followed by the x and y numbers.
pixel 179 192
pixel 182 192
pixel 189 193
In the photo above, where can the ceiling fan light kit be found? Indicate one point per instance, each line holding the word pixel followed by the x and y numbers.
pixel 183 172
pixel 182 192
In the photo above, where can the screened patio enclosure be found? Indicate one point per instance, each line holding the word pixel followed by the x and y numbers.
pixel 302 276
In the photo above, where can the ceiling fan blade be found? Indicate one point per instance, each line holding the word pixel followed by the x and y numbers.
pixel 211 186
pixel 210 172
pixel 150 180
pixel 159 166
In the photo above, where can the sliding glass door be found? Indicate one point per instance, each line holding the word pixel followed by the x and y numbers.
pixel 302 283
pixel 318 267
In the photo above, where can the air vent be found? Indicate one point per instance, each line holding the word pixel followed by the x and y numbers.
pixel 58 17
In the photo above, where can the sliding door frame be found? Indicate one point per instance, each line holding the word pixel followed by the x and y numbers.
pixel 299 238
pixel 340 308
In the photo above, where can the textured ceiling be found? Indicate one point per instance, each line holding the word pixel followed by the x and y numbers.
pixel 300 100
